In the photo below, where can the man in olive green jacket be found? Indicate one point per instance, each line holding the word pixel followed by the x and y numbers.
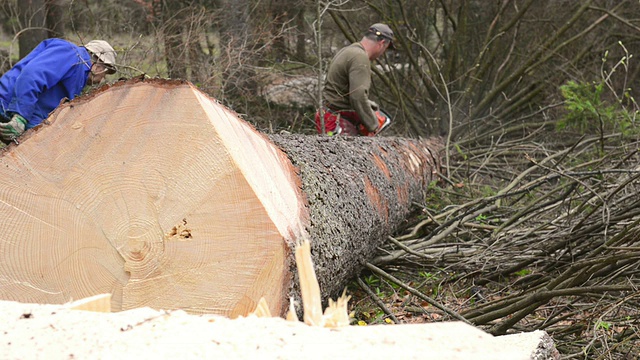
pixel 347 109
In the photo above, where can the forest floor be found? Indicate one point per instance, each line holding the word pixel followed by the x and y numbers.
pixel 459 275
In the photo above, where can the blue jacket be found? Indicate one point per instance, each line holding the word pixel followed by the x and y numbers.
pixel 54 70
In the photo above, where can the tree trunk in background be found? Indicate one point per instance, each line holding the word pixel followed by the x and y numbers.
pixel 55 18
pixel 183 26
pixel 281 11
pixel 301 38
pixel 33 25
pixel 237 51
pixel 190 207
pixel 172 27
pixel 234 24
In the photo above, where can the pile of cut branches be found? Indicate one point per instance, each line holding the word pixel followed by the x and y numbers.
pixel 551 242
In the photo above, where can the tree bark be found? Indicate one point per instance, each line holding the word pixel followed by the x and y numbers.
pixel 238 51
pixel 301 39
pixel 33 22
pixel 159 195
pixel 55 18
pixel 359 191
pixel 173 15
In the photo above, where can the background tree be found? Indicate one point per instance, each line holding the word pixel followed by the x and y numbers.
pixel 473 65
pixel 38 20
pixel 33 27
pixel 55 18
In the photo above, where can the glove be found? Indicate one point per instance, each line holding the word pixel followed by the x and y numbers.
pixel 374 106
pixel 12 129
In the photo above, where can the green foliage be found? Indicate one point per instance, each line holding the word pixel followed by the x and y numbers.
pixel 587 111
pixel 459 151
pixel 584 106
pixel 372 281
pixel 432 282
pixel 603 325
pixel 523 272
pixel 583 103
pixel 488 191
pixel 436 198
pixel 427 275
pixel 371 317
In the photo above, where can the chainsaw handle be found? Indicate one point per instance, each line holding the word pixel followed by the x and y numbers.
pixel 383 119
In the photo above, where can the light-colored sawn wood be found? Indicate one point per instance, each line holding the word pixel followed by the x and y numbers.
pixel 128 192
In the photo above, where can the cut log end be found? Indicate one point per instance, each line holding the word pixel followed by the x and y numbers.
pixel 140 200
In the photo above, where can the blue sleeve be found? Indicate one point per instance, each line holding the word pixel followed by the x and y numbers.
pixel 42 72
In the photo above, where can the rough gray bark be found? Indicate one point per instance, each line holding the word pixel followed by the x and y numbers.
pixel 359 191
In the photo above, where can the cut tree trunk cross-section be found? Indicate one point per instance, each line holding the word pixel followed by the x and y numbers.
pixel 157 194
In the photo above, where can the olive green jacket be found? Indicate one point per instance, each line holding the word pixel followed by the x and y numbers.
pixel 348 82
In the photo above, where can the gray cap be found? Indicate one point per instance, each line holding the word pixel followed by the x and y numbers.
pixel 104 52
pixel 382 30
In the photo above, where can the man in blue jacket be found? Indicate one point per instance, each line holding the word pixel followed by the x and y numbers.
pixel 56 69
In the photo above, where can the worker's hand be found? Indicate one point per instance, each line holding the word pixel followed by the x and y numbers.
pixel 12 129
pixel 374 106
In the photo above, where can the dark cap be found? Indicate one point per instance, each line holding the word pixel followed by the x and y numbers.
pixel 382 30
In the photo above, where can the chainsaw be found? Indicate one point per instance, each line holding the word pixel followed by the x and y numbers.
pixel 384 120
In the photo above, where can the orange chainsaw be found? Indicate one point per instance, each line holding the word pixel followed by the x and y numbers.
pixel 383 122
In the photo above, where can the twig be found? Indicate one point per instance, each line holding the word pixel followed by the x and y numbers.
pixel 377 300
pixel 415 292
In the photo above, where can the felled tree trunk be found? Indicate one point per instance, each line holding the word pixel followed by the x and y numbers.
pixel 359 191
pixel 157 194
